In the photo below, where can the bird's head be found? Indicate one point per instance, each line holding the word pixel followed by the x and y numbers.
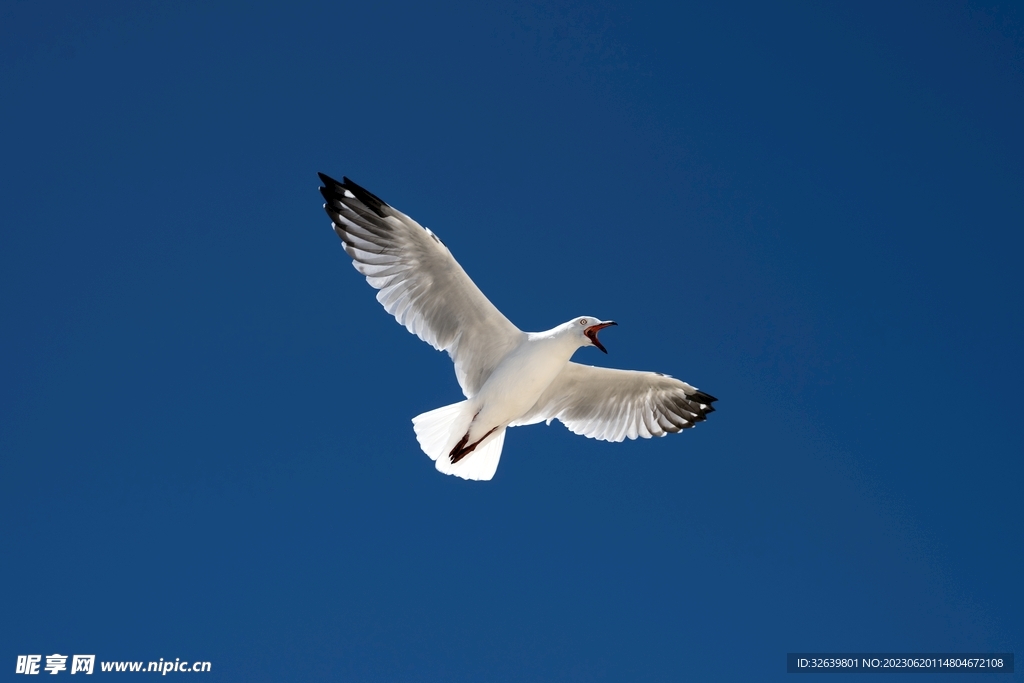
pixel 587 327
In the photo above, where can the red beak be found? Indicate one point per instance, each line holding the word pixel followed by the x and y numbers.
pixel 592 331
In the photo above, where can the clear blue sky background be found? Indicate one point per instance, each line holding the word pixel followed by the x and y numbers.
pixel 812 212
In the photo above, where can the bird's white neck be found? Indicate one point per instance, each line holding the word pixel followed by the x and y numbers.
pixel 563 337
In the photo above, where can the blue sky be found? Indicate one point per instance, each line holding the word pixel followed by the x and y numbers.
pixel 812 212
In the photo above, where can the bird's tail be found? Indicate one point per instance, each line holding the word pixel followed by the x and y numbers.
pixel 439 430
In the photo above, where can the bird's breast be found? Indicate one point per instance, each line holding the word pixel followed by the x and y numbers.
pixel 519 380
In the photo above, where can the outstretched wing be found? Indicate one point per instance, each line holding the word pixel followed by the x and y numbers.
pixel 420 282
pixel 612 405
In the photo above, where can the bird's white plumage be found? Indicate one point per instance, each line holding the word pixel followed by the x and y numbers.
pixel 425 288
pixel 437 429
pixel 612 405
pixel 509 377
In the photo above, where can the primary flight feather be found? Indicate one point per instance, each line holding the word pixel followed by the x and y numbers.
pixel 509 377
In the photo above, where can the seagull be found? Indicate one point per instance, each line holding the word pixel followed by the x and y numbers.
pixel 509 377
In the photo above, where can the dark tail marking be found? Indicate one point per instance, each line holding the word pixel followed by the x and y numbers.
pixel 461 450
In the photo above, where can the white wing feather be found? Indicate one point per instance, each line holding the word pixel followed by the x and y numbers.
pixel 420 282
pixel 612 405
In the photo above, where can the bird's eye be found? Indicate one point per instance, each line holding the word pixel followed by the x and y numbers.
pixel 583 321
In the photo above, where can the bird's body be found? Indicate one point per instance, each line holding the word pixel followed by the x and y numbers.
pixel 518 381
pixel 509 377
pixel 523 375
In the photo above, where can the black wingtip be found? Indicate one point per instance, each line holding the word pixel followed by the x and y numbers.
pixel 368 199
pixel 700 396
pixel 375 203
pixel 327 180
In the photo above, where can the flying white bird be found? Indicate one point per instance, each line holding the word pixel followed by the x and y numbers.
pixel 510 377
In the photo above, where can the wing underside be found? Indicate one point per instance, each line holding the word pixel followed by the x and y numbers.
pixel 612 405
pixel 419 281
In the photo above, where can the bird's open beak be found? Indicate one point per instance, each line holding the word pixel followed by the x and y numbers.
pixel 592 331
